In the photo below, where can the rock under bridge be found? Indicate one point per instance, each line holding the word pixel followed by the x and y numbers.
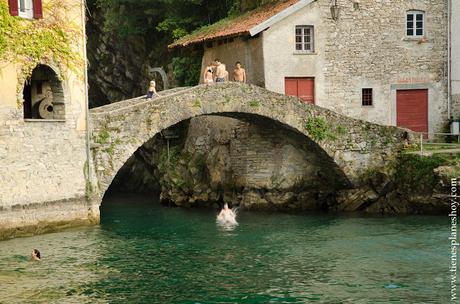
pixel 119 129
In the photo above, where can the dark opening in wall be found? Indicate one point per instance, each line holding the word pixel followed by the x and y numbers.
pixel 43 95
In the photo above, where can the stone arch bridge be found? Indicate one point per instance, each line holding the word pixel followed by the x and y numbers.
pixel 119 129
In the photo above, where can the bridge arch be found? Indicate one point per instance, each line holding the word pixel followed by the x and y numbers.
pixel 120 129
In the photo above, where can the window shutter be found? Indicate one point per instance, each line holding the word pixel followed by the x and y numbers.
pixel 38 11
pixel 13 5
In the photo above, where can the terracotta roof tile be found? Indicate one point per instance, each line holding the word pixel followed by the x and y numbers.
pixel 236 26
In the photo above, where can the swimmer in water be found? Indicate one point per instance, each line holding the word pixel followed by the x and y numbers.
pixel 36 255
pixel 227 216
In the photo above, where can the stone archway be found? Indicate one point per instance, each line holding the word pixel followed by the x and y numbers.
pixel 43 95
pixel 355 146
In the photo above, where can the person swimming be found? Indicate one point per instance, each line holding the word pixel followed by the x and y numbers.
pixel 36 255
pixel 227 216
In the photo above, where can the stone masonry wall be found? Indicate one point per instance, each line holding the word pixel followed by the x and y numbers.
pixel 353 145
pixel 365 48
pixel 379 55
pixel 42 162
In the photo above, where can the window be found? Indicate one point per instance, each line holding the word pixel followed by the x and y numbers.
pixel 367 97
pixel 30 9
pixel 26 9
pixel 304 36
pixel 415 24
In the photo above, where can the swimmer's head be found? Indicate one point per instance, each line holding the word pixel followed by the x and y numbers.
pixel 36 254
pixel 152 83
pixel 225 206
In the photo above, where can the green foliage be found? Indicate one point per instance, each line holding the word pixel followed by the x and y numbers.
pixel 254 103
pixel 414 173
pixel 103 137
pixel 172 18
pixel 187 70
pixel 197 103
pixel 49 40
pixel 182 168
pixel 319 129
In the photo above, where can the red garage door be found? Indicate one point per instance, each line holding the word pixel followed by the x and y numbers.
pixel 412 109
pixel 302 87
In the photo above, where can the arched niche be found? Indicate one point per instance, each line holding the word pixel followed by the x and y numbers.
pixel 43 95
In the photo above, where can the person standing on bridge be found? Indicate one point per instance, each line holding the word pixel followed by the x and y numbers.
pixel 239 74
pixel 221 71
pixel 152 90
pixel 208 76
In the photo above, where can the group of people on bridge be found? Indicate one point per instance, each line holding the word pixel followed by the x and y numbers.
pixel 217 72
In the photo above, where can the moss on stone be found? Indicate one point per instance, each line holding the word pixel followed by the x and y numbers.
pixel 319 129
pixel 254 103
pixel 103 138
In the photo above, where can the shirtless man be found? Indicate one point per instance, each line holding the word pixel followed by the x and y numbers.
pixel 239 74
pixel 221 71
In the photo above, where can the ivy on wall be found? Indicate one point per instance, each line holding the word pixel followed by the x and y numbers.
pixel 50 40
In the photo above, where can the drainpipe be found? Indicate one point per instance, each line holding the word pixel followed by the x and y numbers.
pixel 449 59
pixel 88 148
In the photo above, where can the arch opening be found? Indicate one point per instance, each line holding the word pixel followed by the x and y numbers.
pixel 253 163
pixel 43 95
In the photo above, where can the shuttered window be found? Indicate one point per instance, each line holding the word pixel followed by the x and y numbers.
pixel 26 8
pixel 38 10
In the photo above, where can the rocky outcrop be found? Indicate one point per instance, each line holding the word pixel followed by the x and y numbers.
pixel 251 165
pixel 412 185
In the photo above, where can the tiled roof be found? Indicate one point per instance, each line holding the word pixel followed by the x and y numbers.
pixel 236 26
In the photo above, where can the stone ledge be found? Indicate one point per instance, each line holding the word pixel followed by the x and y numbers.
pixel 43 120
pixel 38 218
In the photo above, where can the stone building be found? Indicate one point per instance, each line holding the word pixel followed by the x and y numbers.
pixel 43 114
pixel 454 58
pixel 381 61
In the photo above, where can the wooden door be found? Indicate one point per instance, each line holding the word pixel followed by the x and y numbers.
pixel 412 109
pixel 302 87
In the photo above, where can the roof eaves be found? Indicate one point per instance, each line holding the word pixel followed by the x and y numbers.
pixel 278 17
pixel 207 39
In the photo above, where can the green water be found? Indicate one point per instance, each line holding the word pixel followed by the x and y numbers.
pixel 145 253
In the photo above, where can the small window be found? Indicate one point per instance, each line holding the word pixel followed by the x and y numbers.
pixel 304 38
pixel 26 9
pixel 367 97
pixel 415 24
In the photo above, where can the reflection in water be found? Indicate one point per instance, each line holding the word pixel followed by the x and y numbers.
pixel 144 253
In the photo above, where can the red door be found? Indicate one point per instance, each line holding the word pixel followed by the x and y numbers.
pixel 302 87
pixel 412 109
